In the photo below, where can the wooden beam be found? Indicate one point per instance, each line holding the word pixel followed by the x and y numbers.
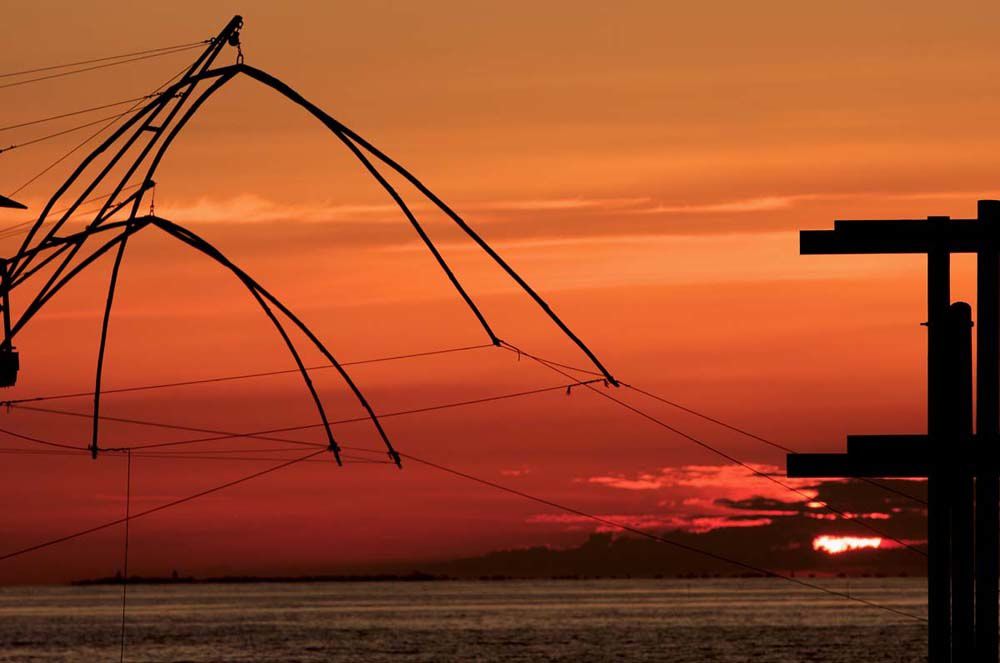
pixel 886 446
pixel 819 466
pixel 898 236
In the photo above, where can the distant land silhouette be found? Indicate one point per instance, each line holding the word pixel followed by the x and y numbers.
pixel 604 555
pixel 610 556
pixel 601 556
pixel 783 544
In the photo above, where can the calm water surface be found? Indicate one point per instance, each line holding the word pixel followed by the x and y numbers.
pixel 616 620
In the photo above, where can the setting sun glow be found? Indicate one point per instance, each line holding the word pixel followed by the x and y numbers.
pixel 834 545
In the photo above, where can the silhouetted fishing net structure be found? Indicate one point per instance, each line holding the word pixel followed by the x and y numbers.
pixel 137 148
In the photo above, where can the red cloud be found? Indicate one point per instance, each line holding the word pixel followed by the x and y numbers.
pixel 700 498
pixel 724 481
pixel 648 521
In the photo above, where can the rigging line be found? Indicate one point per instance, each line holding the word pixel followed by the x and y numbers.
pixel 94 135
pixel 872 482
pixel 18 230
pixel 260 436
pixel 346 461
pixel 706 417
pixel 14 230
pixel 99 66
pixel 666 401
pixel 492 484
pixel 63 132
pixel 162 507
pixel 35 452
pixel 732 459
pixel 55 283
pixel 264 434
pixel 407 212
pixel 102 196
pixel 339 129
pixel 714 420
pixel 263 295
pixel 55 253
pixel 660 539
pixel 128 518
pixel 236 450
pixel 10 451
pixel 82 111
pixel 512 348
pixel 38 440
pixel 36 70
pixel 246 376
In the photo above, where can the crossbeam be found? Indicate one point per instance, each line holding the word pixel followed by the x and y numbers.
pixel 834 465
pixel 898 236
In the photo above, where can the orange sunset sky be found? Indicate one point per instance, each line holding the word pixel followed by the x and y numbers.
pixel 644 165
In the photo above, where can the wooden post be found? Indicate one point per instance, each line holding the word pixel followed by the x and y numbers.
pixel 987 430
pixel 958 383
pixel 938 493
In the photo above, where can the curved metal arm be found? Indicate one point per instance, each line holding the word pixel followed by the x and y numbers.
pixel 196 242
pixel 225 78
pixel 341 130
pixel 352 140
pixel 103 344
pixel 137 224
pixel 135 199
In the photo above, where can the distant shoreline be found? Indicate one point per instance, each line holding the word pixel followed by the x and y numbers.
pixel 428 577
pixel 241 580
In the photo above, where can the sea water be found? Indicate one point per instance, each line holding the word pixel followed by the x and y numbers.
pixel 550 620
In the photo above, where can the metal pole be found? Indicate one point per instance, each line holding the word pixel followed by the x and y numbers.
pixel 938 495
pixel 987 428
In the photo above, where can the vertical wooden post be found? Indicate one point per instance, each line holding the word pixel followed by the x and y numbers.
pixel 938 493
pixel 959 388
pixel 987 429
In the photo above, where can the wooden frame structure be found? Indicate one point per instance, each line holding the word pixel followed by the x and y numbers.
pixel 960 462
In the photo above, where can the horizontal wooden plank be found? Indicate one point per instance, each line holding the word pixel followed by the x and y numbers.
pixel 899 236
pixel 876 446
pixel 820 466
